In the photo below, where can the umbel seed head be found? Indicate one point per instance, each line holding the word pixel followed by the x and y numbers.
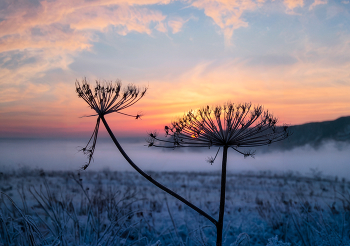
pixel 231 125
pixel 105 98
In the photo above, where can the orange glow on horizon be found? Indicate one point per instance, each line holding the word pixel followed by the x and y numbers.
pixel 63 116
pixel 294 72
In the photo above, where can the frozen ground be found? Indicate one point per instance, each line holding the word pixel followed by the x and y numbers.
pixel 122 208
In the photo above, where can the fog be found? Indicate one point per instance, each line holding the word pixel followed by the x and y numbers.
pixel 331 158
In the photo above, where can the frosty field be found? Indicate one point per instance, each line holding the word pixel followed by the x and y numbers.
pixel 121 208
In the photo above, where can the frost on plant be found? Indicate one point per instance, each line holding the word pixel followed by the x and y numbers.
pixel 243 239
pixel 274 242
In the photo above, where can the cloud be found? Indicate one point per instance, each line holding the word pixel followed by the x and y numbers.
pixel 317 2
pixel 302 81
pixel 54 37
pixel 176 24
pixel 29 90
pixel 310 83
pixel 161 27
pixel 21 74
pixel 272 60
pixel 21 64
pixel 39 36
pixel 70 24
pixel 128 18
pixel 292 4
pixel 227 14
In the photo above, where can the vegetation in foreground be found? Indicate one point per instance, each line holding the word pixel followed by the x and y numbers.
pixel 228 126
pixel 121 208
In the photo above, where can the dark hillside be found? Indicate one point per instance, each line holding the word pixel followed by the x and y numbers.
pixel 315 134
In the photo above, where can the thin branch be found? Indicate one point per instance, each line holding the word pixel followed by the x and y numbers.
pixel 149 178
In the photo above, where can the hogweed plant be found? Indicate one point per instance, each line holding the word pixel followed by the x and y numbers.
pixel 227 127
pixel 106 98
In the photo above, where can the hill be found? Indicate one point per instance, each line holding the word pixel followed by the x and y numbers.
pixel 316 133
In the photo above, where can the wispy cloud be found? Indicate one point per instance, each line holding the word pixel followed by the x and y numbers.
pixel 69 24
pixel 36 37
pixel 227 14
pixel 292 4
pixel 317 2
pixel 176 24
pixel 307 84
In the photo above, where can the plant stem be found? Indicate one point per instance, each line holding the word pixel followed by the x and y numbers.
pixel 220 223
pixel 149 178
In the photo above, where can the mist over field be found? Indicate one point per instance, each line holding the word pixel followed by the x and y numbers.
pixel 294 192
pixel 321 146
pixel 331 158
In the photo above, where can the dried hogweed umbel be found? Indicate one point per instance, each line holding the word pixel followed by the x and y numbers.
pixel 106 98
pixel 230 125
pixel 227 126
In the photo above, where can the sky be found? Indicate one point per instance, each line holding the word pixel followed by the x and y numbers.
pixel 291 56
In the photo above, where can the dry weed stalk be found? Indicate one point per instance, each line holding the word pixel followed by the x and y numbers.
pixel 229 126
pixel 107 98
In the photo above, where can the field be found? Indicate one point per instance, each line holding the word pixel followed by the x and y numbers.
pixel 121 208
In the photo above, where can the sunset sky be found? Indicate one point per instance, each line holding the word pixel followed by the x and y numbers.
pixel 292 56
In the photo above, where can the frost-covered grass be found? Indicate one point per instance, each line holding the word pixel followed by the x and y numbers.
pixel 122 208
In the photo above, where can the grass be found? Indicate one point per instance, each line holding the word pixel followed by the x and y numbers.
pixel 121 208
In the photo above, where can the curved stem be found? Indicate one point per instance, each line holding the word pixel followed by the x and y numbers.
pixel 220 223
pixel 149 178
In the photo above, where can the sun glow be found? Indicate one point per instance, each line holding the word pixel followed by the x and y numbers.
pixel 196 134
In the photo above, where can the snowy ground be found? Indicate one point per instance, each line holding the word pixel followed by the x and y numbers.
pixel 122 208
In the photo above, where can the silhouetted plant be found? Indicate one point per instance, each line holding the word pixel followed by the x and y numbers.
pixel 107 98
pixel 204 128
pixel 228 126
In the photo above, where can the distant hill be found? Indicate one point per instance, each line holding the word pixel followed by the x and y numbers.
pixel 313 134
pixel 316 133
